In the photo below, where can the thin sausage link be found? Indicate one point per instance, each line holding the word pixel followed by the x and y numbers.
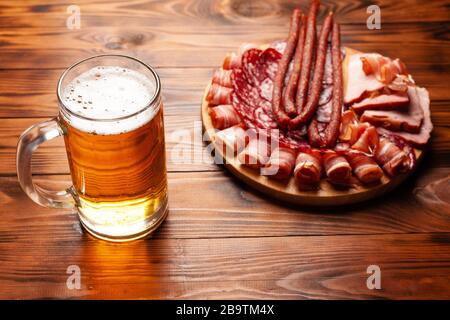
pixel 332 131
pixel 307 59
pixel 291 88
pixel 316 85
pixel 283 64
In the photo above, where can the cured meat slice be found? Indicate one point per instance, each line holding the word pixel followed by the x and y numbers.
pixel 231 141
pixel 348 118
pixel 367 141
pixel 383 101
pixel 364 167
pixel 385 69
pixel 421 138
pixel 391 157
pixel 281 164
pixel 256 153
pixel 222 77
pixel 224 116
pixel 337 168
pixel 218 94
pixel 308 167
pixel 358 83
pixel 409 121
pixel 231 61
pixel 252 102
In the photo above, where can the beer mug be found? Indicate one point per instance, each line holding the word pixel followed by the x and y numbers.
pixel 111 118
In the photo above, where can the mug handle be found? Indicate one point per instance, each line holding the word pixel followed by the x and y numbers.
pixel 29 141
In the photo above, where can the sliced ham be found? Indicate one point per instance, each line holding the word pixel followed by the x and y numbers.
pixel 364 167
pixel 337 168
pixel 383 101
pixel 358 83
pixel 391 157
pixel 231 141
pixel 218 94
pixel 421 138
pixel 409 120
pixel 255 154
pixel 308 167
pixel 281 164
pixel 223 77
pixel 224 116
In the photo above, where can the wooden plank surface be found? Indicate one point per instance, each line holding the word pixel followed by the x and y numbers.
pixel 221 239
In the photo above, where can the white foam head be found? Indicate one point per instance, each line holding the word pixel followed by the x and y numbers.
pixel 109 93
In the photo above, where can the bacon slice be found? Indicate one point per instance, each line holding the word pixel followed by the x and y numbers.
pixel 232 140
pixel 421 138
pixel 256 153
pixel 281 164
pixel 283 65
pixel 310 107
pixel 218 94
pixel 364 167
pixel 224 116
pixel 231 61
pixel 385 69
pixel 348 118
pixel 308 167
pixel 291 87
pixel 409 121
pixel 307 59
pixel 383 101
pixel 367 141
pixel 391 157
pixel 337 168
pixel 223 77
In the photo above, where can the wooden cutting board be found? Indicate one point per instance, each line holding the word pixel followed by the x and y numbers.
pixel 288 191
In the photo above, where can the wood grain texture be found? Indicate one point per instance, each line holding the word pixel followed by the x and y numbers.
pixel 222 239
pixel 197 46
pixel 216 205
pixel 277 268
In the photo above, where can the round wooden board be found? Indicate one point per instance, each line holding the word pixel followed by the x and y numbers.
pixel 326 194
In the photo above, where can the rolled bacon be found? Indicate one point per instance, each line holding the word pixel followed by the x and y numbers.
pixel 337 168
pixel 231 61
pixel 281 164
pixel 232 140
pixel 313 98
pixel 291 87
pixel 218 94
pixel 307 59
pixel 255 154
pixel 364 167
pixel 308 167
pixel 223 77
pixel 283 65
pixel 224 116
pixel 391 157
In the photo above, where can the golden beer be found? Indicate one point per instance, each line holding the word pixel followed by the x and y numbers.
pixel 114 137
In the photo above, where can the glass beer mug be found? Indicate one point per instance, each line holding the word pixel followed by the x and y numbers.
pixel 111 117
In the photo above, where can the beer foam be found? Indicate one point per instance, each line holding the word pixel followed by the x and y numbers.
pixel 109 93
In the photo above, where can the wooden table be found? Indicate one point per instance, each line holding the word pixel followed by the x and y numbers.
pixel 221 239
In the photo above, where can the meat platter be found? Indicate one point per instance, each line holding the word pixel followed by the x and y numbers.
pixel 309 121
